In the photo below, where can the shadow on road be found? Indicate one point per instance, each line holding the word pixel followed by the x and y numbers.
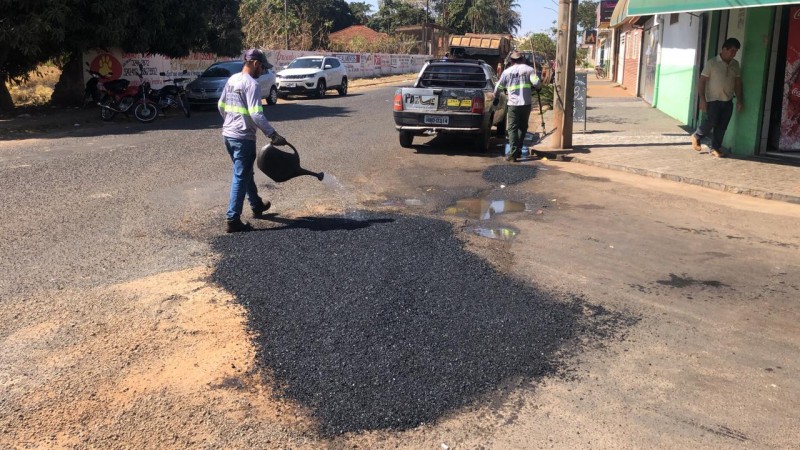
pixel 387 322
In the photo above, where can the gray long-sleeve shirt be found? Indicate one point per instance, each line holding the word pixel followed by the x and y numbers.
pixel 240 107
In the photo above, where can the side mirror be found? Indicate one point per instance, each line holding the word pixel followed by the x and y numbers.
pixel 328 66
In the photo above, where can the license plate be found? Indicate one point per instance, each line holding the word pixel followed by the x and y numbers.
pixel 289 84
pixel 437 120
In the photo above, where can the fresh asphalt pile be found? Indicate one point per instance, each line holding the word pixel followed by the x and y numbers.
pixel 509 174
pixel 387 322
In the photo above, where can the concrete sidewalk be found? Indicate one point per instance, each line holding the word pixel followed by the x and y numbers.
pixel 624 133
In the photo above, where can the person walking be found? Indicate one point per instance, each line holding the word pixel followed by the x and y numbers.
pixel 240 107
pixel 719 82
pixel 518 80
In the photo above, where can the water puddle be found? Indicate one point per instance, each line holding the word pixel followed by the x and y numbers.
pixel 500 233
pixel 482 209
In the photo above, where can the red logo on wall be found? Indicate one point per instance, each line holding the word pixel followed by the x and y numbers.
pixel 107 65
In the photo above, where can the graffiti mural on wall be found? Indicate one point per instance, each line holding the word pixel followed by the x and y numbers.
pixel 790 119
pixel 117 64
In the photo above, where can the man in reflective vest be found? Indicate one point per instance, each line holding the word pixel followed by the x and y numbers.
pixel 518 80
pixel 240 107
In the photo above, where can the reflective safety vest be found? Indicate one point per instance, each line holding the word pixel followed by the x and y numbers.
pixel 519 80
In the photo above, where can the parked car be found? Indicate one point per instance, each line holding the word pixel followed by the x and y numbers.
pixel 206 89
pixel 313 75
pixel 453 96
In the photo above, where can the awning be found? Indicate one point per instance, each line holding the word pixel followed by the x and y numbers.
pixel 650 7
pixel 620 14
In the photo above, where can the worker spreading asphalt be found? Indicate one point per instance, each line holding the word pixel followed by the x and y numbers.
pixel 387 322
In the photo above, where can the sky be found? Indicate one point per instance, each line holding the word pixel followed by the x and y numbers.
pixel 537 15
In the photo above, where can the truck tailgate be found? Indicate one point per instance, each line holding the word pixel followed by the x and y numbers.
pixel 440 100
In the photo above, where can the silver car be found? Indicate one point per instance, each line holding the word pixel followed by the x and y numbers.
pixel 206 89
pixel 313 75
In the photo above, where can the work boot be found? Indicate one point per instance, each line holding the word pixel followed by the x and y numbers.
pixel 717 153
pixel 513 155
pixel 261 209
pixel 236 226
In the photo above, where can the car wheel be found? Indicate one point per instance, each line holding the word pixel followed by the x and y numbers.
pixel 321 88
pixel 343 88
pixel 272 98
pixel 482 141
pixel 406 139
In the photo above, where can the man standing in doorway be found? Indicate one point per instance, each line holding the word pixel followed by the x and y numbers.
pixel 519 80
pixel 720 81
pixel 240 107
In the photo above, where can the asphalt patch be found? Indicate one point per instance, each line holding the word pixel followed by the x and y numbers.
pixel 387 322
pixel 509 174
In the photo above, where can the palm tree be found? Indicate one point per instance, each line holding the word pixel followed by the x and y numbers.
pixel 480 16
pixel 509 19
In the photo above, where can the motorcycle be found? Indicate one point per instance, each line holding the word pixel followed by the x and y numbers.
pixel 171 96
pixel 92 94
pixel 145 110
pixel 121 97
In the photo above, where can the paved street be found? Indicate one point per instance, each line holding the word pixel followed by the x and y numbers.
pixel 431 296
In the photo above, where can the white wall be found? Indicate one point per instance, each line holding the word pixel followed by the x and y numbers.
pixel 679 41
pixel 125 65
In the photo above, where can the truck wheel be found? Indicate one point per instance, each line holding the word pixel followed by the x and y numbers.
pixel 406 139
pixel 482 141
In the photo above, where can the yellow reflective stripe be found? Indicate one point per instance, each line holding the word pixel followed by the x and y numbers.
pixel 233 109
pixel 257 109
pixel 523 85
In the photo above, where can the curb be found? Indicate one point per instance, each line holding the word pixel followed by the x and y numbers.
pixel 724 187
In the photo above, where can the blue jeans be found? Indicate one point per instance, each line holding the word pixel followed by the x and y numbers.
pixel 243 156
pixel 717 118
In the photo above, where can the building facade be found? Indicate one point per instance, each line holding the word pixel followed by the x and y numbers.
pixel 677 38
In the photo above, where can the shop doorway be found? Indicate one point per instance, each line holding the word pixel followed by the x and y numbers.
pixel 647 79
pixel 782 112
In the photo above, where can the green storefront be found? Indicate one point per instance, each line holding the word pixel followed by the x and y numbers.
pixel 768 125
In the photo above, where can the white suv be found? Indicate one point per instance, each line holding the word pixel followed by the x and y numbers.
pixel 312 75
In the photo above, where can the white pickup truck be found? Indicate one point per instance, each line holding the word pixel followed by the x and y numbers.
pixel 450 96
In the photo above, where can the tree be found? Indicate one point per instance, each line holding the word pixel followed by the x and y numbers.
pixel 361 12
pixel 540 43
pixel 35 31
pixel 396 13
pixel 587 15
pixel 479 16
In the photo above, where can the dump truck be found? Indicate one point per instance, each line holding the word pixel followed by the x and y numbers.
pixel 491 48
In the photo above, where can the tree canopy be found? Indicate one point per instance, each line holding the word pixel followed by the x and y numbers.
pixel 35 31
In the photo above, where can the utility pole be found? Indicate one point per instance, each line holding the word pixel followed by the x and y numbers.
pixel 565 75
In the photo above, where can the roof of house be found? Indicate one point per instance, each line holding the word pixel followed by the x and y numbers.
pixel 346 34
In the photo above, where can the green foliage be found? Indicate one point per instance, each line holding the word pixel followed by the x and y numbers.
pixel 361 12
pixel 35 31
pixel 480 16
pixel 396 13
pixel 587 15
pixel 541 43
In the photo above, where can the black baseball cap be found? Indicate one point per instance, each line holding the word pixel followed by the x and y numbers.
pixel 255 54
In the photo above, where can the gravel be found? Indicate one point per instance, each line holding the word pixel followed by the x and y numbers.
pixel 509 174
pixel 387 322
